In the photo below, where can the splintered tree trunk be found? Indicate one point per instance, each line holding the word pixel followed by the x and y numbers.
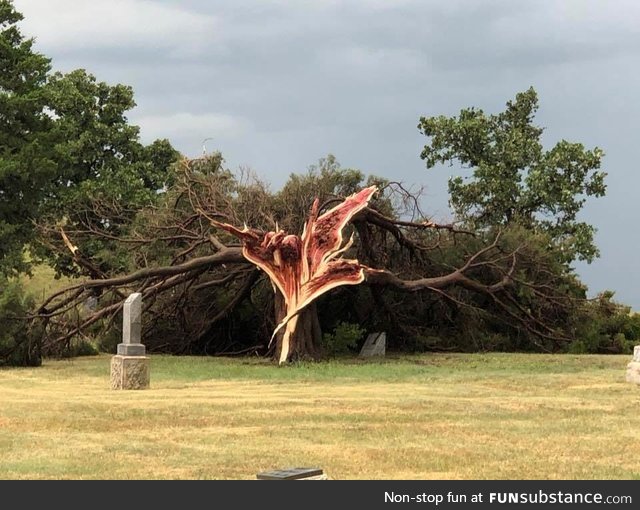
pixel 300 339
pixel 303 268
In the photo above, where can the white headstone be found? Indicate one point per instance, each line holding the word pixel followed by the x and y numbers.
pixel 374 345
pixel 633 368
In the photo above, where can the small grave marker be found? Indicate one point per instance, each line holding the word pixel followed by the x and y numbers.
pixel 374 345
pixel 293 474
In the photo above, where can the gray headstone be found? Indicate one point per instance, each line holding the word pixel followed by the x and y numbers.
pixel 91 303
pixel 374 345
pixel 636 353
pixel 132 327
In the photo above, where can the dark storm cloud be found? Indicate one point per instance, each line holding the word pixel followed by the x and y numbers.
pixel 278 84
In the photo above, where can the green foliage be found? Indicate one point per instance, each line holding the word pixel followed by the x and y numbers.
pixel 75 348
pixel 83 348
pixel 343 340
pixel 104 174
pixel 23 173
pixel 514 180
pixel 68 157
pixel 19 338
pixel 96 150
pixel 604 326
pixel 324 180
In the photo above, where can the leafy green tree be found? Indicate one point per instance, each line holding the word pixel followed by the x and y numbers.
pixel 514 180
pixel 69 161
pixel 23 170
pixel 104 175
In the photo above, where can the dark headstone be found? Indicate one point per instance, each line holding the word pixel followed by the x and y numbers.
pixel 290 474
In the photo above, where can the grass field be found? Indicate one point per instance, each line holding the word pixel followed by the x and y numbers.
pixel 495 416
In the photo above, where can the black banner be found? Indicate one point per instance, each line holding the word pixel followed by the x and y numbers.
pixel 327 494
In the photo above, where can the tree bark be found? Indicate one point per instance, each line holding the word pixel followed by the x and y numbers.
pixel 301 339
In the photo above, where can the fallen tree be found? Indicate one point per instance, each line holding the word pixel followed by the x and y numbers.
pixel 207 278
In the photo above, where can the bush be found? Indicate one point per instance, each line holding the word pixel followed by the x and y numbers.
pixel 81 347
pixel 20 339
pixel 606 327
pixel 343 340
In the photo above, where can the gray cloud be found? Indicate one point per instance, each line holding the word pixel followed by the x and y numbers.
pixel 279 84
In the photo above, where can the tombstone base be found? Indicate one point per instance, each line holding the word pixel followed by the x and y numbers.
pixel 129 372
pixel 319 477
pixel 131 350
pixel 633 372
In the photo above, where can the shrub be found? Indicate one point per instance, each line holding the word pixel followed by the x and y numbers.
pixel 343 340
pixel 20 339
pixel 607 327
pixel 81 347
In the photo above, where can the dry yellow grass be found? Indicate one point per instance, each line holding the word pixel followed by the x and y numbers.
pixel 425 417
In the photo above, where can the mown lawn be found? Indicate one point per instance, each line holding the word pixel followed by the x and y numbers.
pixel 458 416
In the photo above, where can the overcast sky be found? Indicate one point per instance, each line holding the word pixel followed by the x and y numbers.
pixel 278 84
